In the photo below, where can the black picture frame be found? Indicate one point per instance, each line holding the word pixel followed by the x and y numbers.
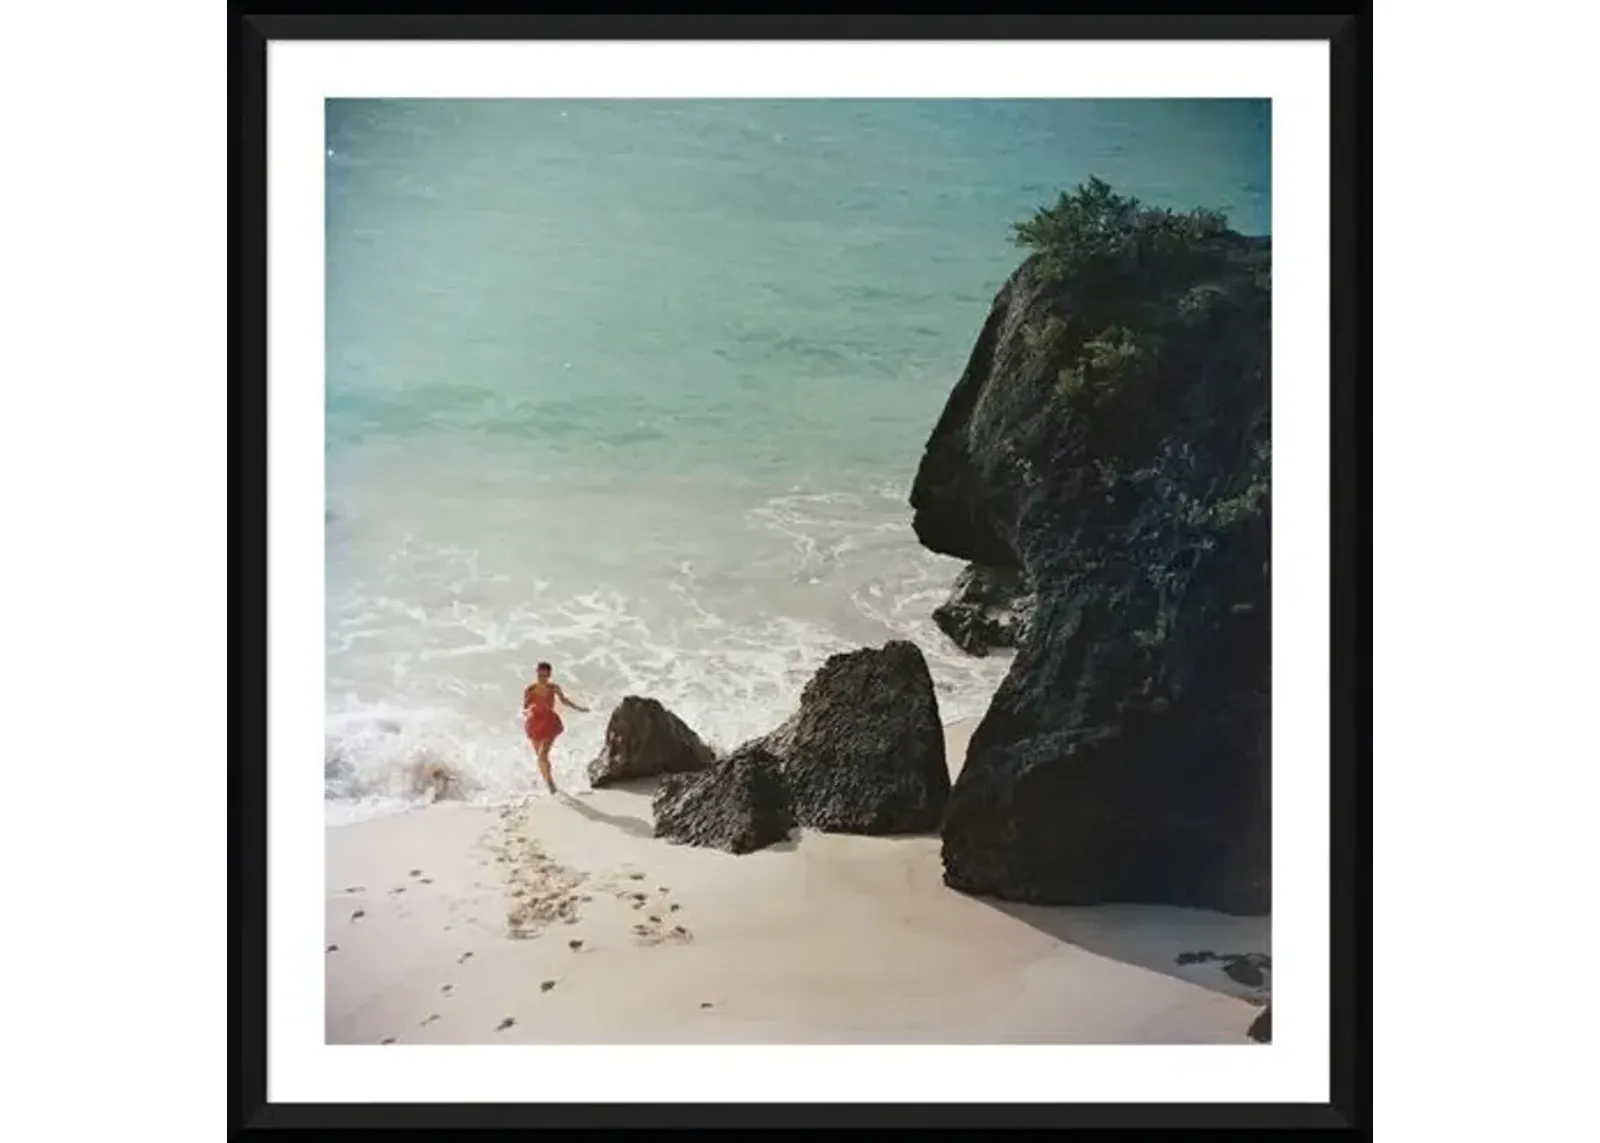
pixel 1349 37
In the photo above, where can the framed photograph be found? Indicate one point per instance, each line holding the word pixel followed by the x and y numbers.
pixel 823 558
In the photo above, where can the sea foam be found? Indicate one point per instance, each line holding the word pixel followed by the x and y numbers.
pixel 427 657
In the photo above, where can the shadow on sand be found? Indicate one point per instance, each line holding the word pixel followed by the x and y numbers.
pixel 1193 945
pixel 627 823
pixel 645 787
pixel 1155 937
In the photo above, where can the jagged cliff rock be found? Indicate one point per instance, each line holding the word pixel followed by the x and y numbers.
pixel 1109 440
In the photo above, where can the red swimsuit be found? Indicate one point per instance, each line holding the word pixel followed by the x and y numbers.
pixel 542 722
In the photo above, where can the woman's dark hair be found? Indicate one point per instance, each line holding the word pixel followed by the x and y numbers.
pixel 543 667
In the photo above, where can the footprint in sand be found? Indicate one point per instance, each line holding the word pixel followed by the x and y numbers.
pixel 653 930
pixel 387 1040
pixel 333 948
pixel 657 933
pixel 541 890
pixel 637 900
pixel 429 1020
pixel 546 985
pixel 358 914
pixel 574 945
pixel 504 1024
pixel 416 873
pixel 463 958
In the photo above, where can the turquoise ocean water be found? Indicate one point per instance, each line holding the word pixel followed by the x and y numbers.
pixel 639 387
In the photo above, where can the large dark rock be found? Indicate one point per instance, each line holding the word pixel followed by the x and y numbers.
pixel 1109 440
pixel 865 752
pixel 739 804
pixel 643 740
pixel 988 609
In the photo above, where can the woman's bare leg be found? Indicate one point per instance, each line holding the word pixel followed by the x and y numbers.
pixel 542 750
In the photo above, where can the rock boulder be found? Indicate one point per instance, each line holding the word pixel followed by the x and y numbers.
pixel 988 609
pixel 644 740
pixel 865 751
pixel 738 804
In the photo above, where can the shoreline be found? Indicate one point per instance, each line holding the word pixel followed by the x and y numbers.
pixel 562 920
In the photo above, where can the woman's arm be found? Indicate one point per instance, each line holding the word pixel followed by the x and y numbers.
pixel 562 695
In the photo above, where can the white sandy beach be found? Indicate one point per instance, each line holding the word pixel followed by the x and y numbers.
pixel 620 938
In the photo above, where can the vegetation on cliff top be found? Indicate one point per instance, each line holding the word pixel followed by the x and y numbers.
pixel 1094 235
pixel 1133 280
pixel 1155 327
pixel 1147 305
